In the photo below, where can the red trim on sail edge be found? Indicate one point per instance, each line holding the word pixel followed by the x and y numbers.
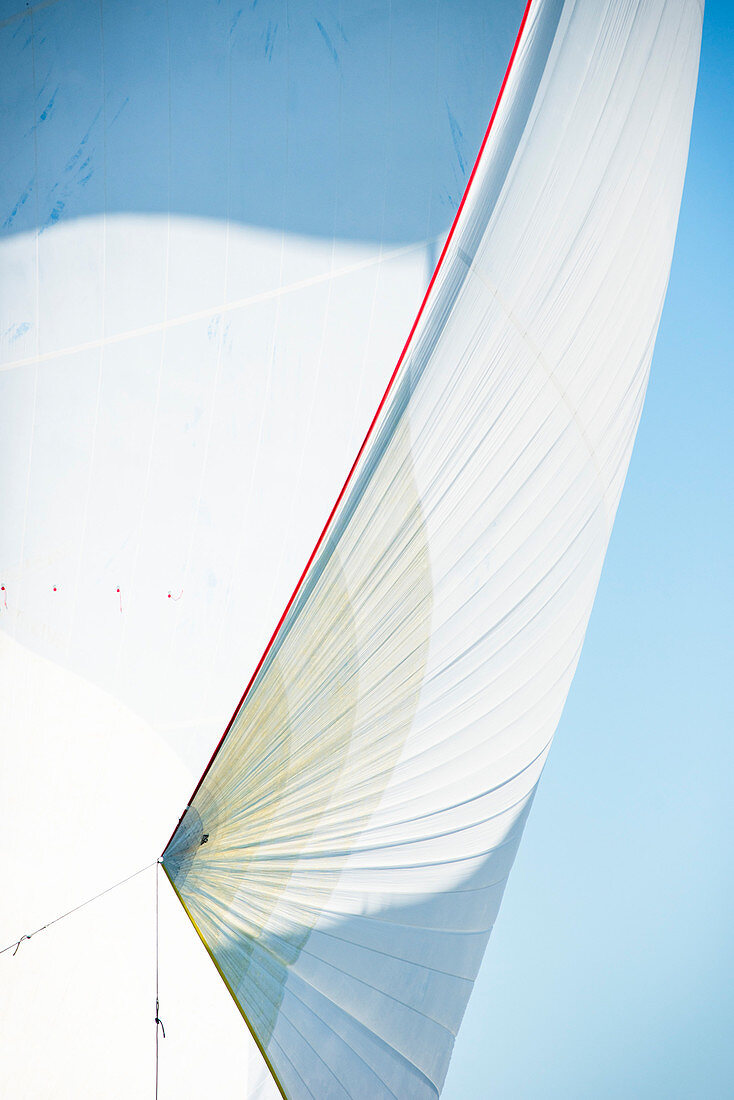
pixel 380 407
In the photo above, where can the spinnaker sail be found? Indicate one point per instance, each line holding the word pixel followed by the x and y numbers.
pixel 344 855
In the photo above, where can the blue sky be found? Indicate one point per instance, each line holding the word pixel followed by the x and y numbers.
pixel 609 973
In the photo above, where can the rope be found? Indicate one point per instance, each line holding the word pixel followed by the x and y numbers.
pixel 28 935
pixel 157 1004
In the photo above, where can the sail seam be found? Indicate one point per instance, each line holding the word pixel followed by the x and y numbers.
pixel 213 311
pixel 527 339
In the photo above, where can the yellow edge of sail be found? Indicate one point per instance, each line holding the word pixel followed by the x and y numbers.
pixel 250 1028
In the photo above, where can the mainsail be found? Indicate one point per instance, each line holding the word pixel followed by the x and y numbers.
pixel 344 855
pixel 217 222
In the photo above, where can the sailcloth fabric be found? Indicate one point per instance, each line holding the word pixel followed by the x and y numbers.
pixel 345 855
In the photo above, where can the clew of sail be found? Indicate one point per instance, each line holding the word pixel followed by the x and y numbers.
pixel 344 856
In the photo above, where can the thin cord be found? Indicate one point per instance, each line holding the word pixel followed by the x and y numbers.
pixel 14 946
pixel 157 1003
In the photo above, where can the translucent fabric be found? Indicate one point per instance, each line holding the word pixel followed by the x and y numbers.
pixel 217 222
pixel 345 854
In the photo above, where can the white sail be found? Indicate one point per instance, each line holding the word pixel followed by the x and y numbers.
pixel 217 222
pixel 344 856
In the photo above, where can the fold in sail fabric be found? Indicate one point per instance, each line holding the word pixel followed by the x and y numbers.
pixel 344 856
